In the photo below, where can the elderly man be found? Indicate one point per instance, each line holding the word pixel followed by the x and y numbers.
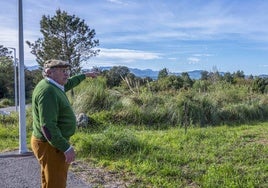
pixel 54 122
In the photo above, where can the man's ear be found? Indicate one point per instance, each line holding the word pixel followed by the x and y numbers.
pixel 48 71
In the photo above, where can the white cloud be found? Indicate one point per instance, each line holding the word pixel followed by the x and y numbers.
pixel 116 2
pixel 172 58
pixel 203 55
pixel 129 55
pixel 123 57
pixel 193 60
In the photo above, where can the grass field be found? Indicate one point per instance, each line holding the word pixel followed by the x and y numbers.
pixel 221 156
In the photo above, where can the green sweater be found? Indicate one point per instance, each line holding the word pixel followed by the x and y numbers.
pixel 53 118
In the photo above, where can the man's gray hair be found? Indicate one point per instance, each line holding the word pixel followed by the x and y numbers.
pixel 44 72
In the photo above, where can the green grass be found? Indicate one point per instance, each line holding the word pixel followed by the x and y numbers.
pixel 9 138
pixel 9 132
pixel 203 157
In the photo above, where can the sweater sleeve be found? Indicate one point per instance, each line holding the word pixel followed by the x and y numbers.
pixel 48 110
pixel 74 81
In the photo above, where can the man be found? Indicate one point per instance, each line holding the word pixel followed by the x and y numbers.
pixel 54 122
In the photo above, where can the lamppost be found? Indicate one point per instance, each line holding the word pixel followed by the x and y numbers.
pixel 15 78
pixel 22 114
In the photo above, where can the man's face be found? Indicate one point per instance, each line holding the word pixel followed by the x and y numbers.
pixel 60 75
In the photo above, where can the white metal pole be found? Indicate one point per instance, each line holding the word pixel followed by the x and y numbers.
pixel 15 79
pixel 22 114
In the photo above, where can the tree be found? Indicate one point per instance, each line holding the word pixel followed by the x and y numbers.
pixel 239 74
pixel 162 73
pixel 204 75
pixel 172 82
pixel 260 85
pixel 187 81
pixel 228 77
pixel 65 37
pixel 201 85
pixel 7 71
pixel 6 77
pixel 4 52
pixel 115 74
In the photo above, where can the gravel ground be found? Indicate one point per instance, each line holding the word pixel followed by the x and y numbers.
pixel 22 171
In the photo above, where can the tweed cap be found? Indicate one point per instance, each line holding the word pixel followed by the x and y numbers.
pixel 55 63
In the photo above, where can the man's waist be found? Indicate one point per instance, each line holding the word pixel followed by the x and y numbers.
pixel 39 137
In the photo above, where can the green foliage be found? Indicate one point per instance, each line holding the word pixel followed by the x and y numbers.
pixel 171 82
pixel 162 73
pixel 203 157
pixel 91 96
pixel 65 37
pixel 9 120
pixel 187 81
pixel 9 132
pixel 201 86
pixel 9 137
pixel 260 85
pixel 114 142
pixel 6 77
pixel 5 102
pixel 222 103
pixel 4 52
pixel 115 75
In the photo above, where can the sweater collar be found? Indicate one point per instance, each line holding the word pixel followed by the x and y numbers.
pixel 55 83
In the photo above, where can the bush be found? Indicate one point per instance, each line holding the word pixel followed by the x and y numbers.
pixel 11 119
pixel 91 96
pixel 222 103
pixel 5 103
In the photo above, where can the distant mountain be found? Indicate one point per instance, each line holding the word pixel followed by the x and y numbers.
pixel 144 73
pixel 196 74
pixel 31 68
pixel 138 72
pixel 263 76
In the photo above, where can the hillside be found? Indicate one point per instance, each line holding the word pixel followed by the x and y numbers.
pixel 195 74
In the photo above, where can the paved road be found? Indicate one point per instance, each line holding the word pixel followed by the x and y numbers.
pixel 22 171
pixel 8 110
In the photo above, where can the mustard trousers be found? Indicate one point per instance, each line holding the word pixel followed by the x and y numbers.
pixel 54 169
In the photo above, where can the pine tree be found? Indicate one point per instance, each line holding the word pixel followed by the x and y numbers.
pixel 65 37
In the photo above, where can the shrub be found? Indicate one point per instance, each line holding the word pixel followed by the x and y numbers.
pixel 91 96
pixel 222 103
pixel 5 103
pixel 9 119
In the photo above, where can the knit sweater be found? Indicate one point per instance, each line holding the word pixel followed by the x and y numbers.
pixel 53 118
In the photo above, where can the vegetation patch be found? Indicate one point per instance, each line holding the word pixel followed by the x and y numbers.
pixel 203 157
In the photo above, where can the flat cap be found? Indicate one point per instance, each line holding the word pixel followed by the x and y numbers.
pixel 55 63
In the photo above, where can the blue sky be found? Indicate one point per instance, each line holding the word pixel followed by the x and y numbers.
pixel 180 35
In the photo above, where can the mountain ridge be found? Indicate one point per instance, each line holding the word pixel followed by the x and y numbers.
pixel 195 74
